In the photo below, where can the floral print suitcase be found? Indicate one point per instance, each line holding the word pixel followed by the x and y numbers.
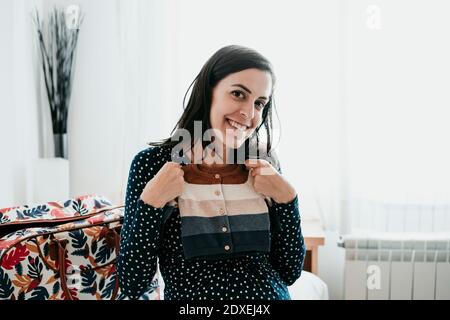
pixel 62 251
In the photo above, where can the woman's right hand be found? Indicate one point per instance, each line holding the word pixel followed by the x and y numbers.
pixel 165 186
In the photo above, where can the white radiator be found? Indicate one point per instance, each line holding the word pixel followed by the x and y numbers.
pixel 397 267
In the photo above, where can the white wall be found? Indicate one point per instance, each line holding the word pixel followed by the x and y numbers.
pixel 6 110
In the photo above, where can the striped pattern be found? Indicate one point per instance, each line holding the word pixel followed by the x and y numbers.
pixel 221 213
pixel 212 208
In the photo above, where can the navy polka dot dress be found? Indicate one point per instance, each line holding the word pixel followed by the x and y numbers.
pixel 148 236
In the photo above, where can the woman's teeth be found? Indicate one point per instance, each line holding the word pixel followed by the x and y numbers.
pixel 237 125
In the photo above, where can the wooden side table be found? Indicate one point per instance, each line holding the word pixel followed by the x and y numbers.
pixel 314 237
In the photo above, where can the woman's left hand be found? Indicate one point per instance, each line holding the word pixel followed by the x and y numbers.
pixel 268 182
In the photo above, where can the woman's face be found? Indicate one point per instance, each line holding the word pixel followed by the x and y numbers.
pixel 237 105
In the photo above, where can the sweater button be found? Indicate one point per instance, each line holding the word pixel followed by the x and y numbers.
pixel 221 211
pixel 217 193
pixel 217 176
pixel 227 248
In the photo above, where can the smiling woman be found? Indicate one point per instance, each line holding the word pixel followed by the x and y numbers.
pixel 220 230
pixel 233 92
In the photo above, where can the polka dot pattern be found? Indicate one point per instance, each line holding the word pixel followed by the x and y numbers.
pixel 145 239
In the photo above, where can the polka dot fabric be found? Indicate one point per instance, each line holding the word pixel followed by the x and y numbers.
pixel 145 238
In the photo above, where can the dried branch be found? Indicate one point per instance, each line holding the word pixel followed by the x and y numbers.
pixel 57 45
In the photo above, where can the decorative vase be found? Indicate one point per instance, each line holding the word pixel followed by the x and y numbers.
pixel 60 140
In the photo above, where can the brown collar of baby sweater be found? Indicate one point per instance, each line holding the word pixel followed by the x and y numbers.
pixel 204 174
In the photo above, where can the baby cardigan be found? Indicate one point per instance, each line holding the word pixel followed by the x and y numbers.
pixel 221 213
pixel 150 238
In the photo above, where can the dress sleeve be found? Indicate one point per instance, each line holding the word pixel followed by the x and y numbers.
pixel 140 235
pixel 287 251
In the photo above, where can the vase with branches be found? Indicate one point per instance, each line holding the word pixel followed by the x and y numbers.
pixel 58 39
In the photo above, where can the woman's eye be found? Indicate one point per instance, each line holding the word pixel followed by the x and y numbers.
pixel 240 94
pixel 237 93
pixel 260 104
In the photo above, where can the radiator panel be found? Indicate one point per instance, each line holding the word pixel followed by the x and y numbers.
pixel 401 280
pixel 443 281
pixel 404 268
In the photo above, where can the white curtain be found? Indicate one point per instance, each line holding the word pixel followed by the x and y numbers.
pixel 18 101
pixel 147 75
pixel 395 97
pixel 123 91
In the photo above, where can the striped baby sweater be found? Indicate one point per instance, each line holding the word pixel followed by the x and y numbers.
pixel 221 213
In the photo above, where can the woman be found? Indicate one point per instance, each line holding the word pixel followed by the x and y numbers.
pixel 242 242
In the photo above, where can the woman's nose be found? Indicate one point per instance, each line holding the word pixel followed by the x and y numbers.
pixel 247 112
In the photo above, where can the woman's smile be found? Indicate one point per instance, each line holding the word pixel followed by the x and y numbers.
pixel 237 127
